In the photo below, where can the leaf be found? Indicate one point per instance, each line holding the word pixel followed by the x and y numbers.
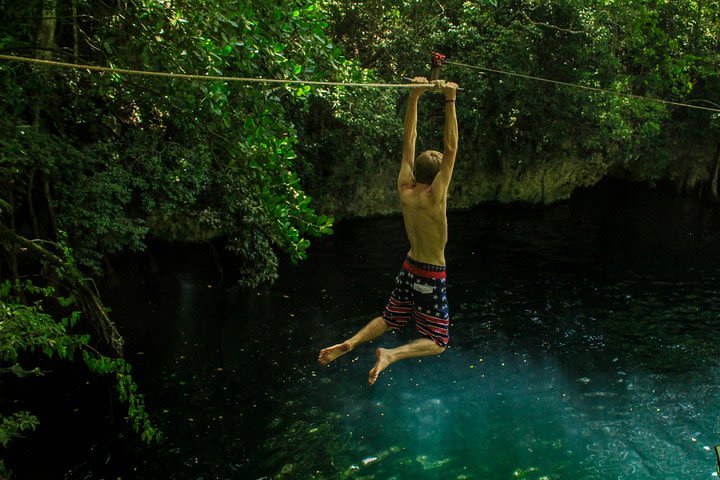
pixel 19 371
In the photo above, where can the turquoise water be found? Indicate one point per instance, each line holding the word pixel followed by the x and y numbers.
pixel 583 346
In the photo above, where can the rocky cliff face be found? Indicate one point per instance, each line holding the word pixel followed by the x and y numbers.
pixel 525 181
pixel 374 194
pixel 539 184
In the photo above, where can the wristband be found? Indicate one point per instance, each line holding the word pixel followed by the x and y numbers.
pixel 449 100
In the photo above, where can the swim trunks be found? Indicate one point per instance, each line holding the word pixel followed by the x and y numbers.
pixel 420 293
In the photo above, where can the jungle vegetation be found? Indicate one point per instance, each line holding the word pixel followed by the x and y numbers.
pixel 97 164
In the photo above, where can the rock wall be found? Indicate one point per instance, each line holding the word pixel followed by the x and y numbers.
pixel 375 193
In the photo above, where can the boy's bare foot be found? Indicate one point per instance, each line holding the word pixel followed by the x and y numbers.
pixel 383 360
pixel 329 354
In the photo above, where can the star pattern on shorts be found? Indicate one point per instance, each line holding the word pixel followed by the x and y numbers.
pixel 435 305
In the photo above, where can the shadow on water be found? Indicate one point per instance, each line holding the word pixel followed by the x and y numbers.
pixel 582 348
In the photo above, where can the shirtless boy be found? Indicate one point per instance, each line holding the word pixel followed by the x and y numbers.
pixel 420 287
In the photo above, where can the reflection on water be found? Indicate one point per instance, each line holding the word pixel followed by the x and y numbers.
pixel 583 347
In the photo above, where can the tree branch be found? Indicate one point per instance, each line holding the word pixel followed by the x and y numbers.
pixel 33 47
pixel 547 25
pixel 87 298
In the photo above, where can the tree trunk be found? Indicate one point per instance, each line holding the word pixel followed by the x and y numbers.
pixel 75 32
pixel 46 32
pixel 31 207
pixel 714 187
pixel 51 209
pixel 45 42
pixel 11 253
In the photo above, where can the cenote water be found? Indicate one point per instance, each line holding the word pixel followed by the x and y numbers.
pixel 584 345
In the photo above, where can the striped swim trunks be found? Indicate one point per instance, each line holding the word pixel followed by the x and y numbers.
pixel 420 293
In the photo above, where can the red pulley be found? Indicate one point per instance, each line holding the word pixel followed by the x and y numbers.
pixel 438 60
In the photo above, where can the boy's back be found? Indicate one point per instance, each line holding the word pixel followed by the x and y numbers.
pixel 425 222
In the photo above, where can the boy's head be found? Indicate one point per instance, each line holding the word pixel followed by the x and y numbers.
pixel 427 166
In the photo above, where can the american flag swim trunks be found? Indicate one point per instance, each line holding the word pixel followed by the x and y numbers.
pixel 420 293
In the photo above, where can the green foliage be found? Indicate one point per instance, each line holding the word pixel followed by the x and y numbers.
pixel 28 330
pixel 507 124
pixel 351 140
pixel 254 197
pixel 126 388
pixel 124 157
pixel 13 426
pixel 112 159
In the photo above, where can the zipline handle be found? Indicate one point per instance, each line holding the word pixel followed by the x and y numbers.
pixel 432 89
pixel 436 62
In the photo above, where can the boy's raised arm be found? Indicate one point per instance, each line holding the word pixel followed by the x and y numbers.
pixel 442 180
pixel 405 176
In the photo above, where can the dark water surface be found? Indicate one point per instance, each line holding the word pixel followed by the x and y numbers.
pixel 584 345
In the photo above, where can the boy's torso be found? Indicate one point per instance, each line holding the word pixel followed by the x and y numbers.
pixel 425 223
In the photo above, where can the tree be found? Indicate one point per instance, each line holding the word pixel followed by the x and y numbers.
pixel 533 141
pixel 94 164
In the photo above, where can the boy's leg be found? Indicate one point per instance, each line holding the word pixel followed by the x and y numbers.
pixel 387 356
pixel 372 330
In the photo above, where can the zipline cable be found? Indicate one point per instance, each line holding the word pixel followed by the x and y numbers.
pixel 584 87
pixel 125 71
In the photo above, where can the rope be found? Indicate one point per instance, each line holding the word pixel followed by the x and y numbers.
pixel 585 87
pixel 125 71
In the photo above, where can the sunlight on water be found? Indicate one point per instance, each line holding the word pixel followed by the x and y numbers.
pixel 515 414
pixel 571 399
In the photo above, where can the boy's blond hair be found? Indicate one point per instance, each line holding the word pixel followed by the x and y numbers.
pixel 427 166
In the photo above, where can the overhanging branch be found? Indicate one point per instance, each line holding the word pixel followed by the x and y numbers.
pixel 87 297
